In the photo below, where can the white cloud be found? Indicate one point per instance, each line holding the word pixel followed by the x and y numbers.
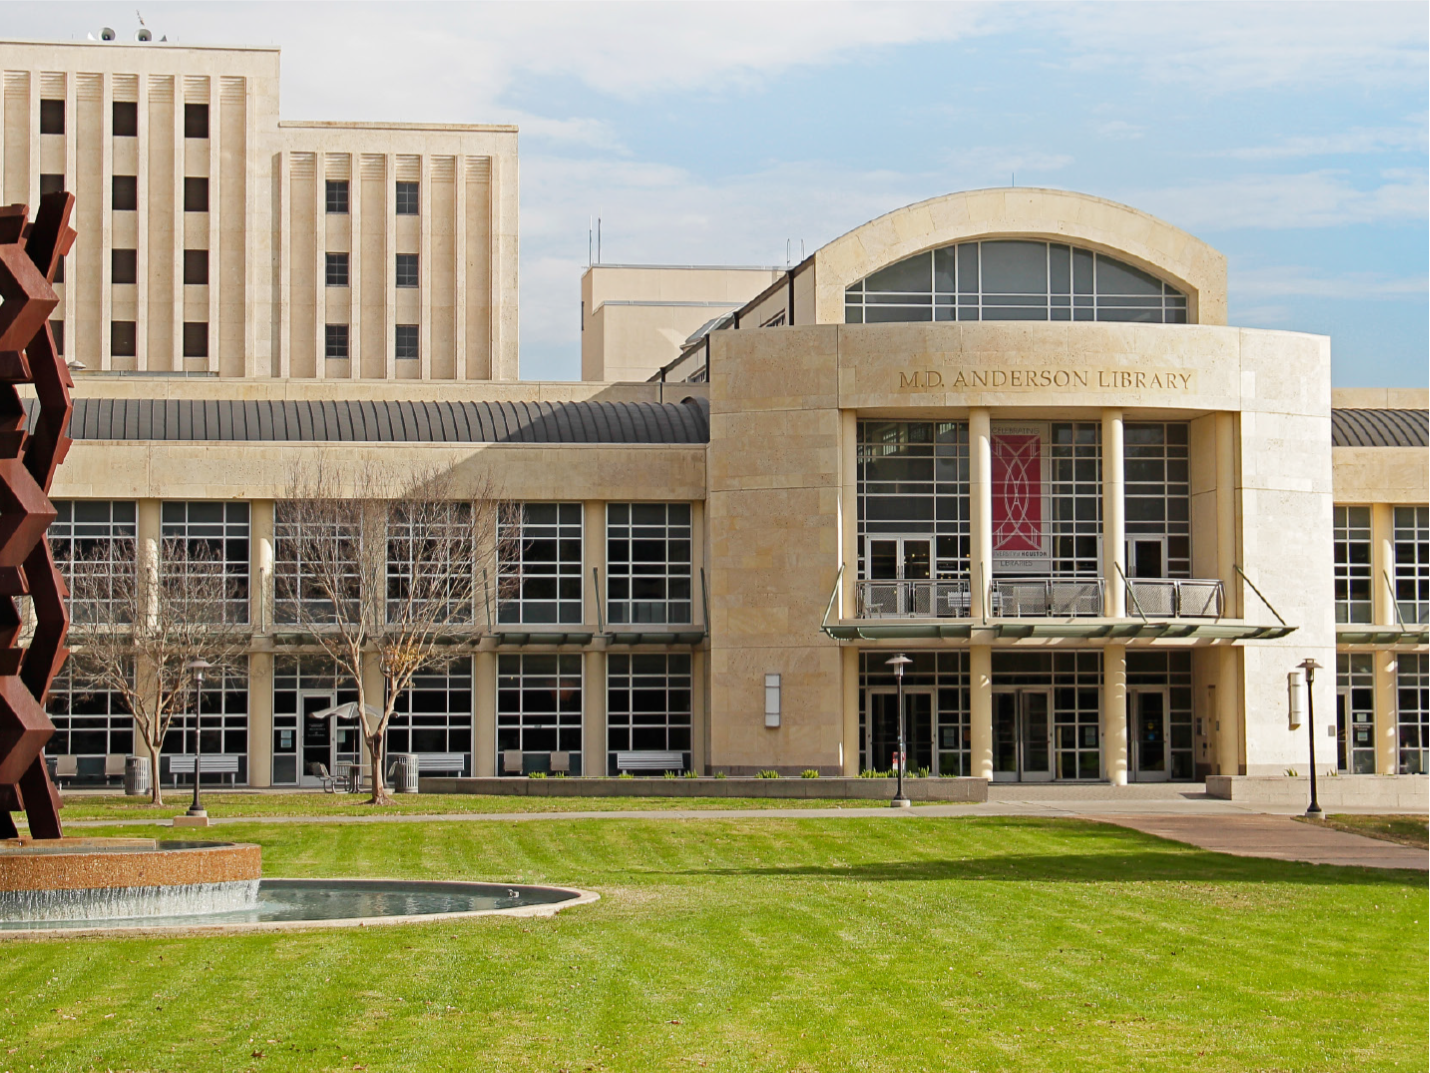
pixel 1358 140
pixel 1119 130
pixel 1297 281
pixel 1268 201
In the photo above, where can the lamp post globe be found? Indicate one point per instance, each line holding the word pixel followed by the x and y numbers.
pixel 1310 666
pixel 198 666
pixel 899 662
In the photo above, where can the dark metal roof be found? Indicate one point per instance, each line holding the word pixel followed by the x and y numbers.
pixel 1380 428
pixel 392 422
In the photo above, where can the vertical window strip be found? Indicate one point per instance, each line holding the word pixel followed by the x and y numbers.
pixel 1158 491
pixel 1413 712
pixel 1075 491
pixel 912 479
pixel 539 704
pixel 434 714
pixel 1412 563
pixel 1354 583
pixel 1355 712
pixel 94 544
pixel 214 537
pixel 540 569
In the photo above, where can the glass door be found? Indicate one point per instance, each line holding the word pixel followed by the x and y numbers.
pixel 1005 735
pixel 1147 739
pixel 903 560
pixel 881 728
pixel 1036 733
pixel 317 735
pixel 1146 557
pixel 1343 703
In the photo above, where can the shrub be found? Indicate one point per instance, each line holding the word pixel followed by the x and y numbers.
pixel 768 773
pixel 719 774
pixel 670 774
pixel 869 773
pixel 921 773
pixel 809 773
pixel 537 775
pixel 692 774
pixel 625 775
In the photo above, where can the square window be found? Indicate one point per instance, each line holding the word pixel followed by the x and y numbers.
pixel 196 339
pixel 335 342
pixel 51 184
pixel 336 269
pixel 196 195
pixel 124 193
pixel 52 116
pixel 126 119
pixel 408 199
pixel 407 269
pixel 196 121
pixel 406 347
pixel 338 196
pixel 123 338
pixel 196 268
pixel 124 266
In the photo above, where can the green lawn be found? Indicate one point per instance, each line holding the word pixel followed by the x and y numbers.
pixel 231 805
pixel 767 944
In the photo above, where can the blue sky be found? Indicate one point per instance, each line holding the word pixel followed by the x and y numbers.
pixel 1290 136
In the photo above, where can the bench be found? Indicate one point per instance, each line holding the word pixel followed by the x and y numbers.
pixel 219 764
pixel 451 763
pixel 650 760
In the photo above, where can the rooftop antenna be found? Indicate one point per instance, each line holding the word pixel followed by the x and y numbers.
pixel 598 240
pixel 801 249
pixel 590 241
pixel 787 242
pixel 1014 180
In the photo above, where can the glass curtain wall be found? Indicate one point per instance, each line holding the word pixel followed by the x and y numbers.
pixel 648 705
pixel 936 710
pixel 1158 498
pixel 1075 680
pixel 222 722
pixel 93 542
pixel 90 724
pixel 648 563
pixel 1012 280
pixel 434 714
pixel 1173 671
pixel 215 536
pixel 539 708
pixel 541 566
pixel 1354 583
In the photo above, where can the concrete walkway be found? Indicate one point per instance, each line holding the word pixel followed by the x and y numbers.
pixel 1276 837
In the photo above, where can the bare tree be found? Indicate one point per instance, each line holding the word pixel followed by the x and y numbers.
pixel 396 572
pixel 136 631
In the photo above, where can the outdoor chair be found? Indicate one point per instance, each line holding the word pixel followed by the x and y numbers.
pixel 511 762
pixel 560 763
pixel 320 772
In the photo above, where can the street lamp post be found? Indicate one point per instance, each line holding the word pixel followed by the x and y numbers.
pixel 899 662
pixel 1310 666
pixel 198 666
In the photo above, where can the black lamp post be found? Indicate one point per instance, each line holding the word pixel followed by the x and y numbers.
pixel 198 666
pixel 1310 666
pixel 899 662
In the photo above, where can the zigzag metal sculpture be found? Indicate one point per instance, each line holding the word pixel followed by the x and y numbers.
pixel 29 256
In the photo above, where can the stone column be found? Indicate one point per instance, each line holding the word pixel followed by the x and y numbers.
pixel 849 735
pixel 849 521
pixel 1228 712
pixel 1114 713
pixel 1114 535
pixel 484 714
pixel 260 719
pixel 980 502
pixel 593 714
pixel 980 713
pixel 1382 601
pixel 593 559
pixel 1226 513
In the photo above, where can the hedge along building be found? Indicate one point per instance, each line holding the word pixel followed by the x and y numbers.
pixel 1006 432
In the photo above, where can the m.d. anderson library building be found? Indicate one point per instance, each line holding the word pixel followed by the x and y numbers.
pixel 1006 432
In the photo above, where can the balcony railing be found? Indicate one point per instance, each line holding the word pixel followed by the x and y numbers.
pixel 913 599
pixel 1046 597
pixel 1037 597
pixel 1175 597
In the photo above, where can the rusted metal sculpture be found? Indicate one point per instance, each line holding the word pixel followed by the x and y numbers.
pixel 29 456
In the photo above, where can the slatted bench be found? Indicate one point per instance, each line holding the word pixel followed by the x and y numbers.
pixel 446 763
pixel 218 764
pixel 650 760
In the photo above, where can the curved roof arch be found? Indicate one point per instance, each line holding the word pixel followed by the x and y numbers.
pixel 1132 236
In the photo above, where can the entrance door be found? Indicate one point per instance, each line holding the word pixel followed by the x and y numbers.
pixel 903 559
pixel 881 729
pixel 1343 704
pixel 1148 742
pixel 1022 735
pixel 317 735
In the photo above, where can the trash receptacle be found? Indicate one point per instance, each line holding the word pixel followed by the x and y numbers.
pixel 403 773
pixel 136 775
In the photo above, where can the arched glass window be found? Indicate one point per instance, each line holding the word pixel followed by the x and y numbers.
pixel 1012 280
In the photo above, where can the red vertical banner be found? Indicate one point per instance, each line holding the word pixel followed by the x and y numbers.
pixel 1018 494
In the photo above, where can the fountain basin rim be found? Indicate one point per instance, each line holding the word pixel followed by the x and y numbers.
pixel 577 896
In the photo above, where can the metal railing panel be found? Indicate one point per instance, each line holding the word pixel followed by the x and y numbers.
pixel 943 598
